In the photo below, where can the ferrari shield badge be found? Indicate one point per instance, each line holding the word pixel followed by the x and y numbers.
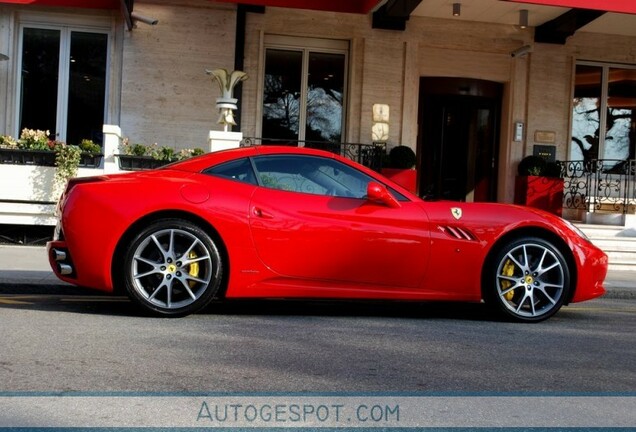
pixel 456 212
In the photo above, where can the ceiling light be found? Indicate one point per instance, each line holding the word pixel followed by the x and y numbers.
pixel 457 9
pixel 523 18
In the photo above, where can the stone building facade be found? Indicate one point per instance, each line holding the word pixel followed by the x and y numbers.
pixel 156 88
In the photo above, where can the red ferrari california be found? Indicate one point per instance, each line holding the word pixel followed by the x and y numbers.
pixel 286 222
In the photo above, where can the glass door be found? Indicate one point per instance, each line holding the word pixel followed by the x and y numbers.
pixel 63 82
pixel 304 92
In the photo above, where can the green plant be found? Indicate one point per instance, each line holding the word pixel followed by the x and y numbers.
pixel 166 154
pixel 532 165
pixel 137 150
pixel 402 157
pixel 88 146
pixel 154 151
pixel 67 160
pixel 537 166
pixel 188 153
pixel 35 139
pixel 8 141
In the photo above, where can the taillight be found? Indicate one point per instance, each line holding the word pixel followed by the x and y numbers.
pixel 79 180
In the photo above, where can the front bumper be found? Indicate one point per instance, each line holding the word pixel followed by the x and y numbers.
pixel 592 271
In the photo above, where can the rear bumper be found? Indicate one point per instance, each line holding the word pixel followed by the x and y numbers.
pixel 62 264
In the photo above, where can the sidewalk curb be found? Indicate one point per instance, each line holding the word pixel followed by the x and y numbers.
pixel 620 294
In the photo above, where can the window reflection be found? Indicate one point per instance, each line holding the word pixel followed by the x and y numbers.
pixel 303 96
pixel 324 98
pixel 621 101
pixel 586 113
pixel 604 129
pixel 281 101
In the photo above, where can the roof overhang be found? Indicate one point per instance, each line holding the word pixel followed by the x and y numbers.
pixel 620 6
pixel 93 4
pixel 346 6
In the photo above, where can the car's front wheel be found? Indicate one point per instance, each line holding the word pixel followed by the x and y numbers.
pixel 528 280
pixel 172 268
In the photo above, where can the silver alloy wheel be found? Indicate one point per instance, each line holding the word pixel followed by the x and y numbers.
pixel 531 280
pixel 171 268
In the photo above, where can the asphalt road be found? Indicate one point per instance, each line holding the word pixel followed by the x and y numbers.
pixel 60 343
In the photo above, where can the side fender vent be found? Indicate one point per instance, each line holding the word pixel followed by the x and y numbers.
pixel 458 233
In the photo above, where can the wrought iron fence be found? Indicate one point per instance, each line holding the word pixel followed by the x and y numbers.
pixel 369 155
pixel 599 185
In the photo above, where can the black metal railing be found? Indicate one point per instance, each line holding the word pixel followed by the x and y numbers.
pixel 599 185
pixel 369 155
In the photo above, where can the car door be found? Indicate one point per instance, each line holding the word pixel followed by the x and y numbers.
pixel 310 219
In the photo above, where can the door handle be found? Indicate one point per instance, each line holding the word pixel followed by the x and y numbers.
pixel 258 212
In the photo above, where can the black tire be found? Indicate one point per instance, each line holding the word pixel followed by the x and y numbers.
pixel 527 280
pixel 172 268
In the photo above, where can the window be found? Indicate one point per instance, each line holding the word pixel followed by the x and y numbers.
pixel 311 174
pixel 63 81
pixel 603 120
pixel 304 88
pixel 296 173
pixel 240 170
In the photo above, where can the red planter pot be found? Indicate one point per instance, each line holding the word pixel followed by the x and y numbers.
pixel 545 193
pixel 407 178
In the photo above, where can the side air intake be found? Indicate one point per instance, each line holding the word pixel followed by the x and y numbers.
pixel 458 233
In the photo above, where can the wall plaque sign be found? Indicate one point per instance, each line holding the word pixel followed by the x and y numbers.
pixel 545 137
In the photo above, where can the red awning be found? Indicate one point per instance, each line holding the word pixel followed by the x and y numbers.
pixel 620 6
pixel 350 6
pixel 93 4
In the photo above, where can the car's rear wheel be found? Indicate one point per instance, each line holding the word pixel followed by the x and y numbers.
pixel 172 268
pixel 528 280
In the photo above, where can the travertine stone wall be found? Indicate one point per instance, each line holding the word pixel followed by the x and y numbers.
pixel 549 95
pixel 166 96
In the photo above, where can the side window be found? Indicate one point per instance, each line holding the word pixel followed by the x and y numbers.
pixel 240 170
pixel 311 174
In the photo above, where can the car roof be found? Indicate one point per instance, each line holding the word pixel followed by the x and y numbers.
pixel 199 163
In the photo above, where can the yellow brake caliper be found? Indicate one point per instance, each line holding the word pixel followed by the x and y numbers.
pixel 194 269
pixel 508 270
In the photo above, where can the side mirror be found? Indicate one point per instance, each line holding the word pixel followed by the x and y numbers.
pixel 380 194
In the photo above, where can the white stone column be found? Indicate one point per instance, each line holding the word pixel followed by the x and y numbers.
pixel 221 140
pixel 112 139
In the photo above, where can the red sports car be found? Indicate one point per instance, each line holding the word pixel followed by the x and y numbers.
pixel 283 222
